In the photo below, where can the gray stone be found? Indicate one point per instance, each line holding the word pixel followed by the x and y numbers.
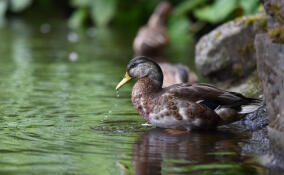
pixel 275 19
pixel 228 51
pixel 275 12
pixel 270 66
pixel 256 120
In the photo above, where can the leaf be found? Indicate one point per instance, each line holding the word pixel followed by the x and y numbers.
pixel 78 18
pixel 3 9
pixel 249 6
pixel 178 28
pixel 19 5
pixel 216 12
pixel 81 3
pixel 186 7
pixel 103 11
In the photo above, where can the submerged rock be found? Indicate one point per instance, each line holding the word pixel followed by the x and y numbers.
pixel 228 51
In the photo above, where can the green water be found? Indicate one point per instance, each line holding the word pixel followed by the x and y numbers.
pixel 62 116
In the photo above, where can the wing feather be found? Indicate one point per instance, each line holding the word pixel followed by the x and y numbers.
pixel 200 91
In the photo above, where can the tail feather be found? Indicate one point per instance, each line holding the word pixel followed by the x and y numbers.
pixel 243 106
pixel 247 99
pixel 253 100
pixel 238 110
pixel 249 108
pixel 252 105
pixel 229 115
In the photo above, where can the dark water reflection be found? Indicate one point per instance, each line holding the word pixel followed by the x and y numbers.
pixel 61 116
pixel 158 151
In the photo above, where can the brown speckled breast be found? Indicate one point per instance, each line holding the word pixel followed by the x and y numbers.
pixel 143 97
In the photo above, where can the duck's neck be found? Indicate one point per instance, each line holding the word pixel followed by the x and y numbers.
pixel 143 94
pixel 156 21
pixel 159 16
pixel 146 86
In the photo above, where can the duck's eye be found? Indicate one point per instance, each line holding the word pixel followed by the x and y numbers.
pixel 133 65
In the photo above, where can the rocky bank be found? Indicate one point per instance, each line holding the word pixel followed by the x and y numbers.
pixel 247 55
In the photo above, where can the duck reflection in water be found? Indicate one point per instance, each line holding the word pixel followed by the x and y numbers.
pixel 153 151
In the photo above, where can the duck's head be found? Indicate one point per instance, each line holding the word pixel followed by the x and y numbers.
pixel 142 67
pixel 160 14
pixel 163 8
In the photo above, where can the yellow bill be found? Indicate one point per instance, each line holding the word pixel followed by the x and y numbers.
pixel 123 81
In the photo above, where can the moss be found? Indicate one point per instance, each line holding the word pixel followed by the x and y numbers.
pixel 247 49
pixel 259 20
pixel 261 9
pixel 237 19
pixel 238 70
pixel 276 13
pixel 217 35
pixel 277 33
pixel 275 9
pixel 274 32
pixel 253 86
pixel 253 19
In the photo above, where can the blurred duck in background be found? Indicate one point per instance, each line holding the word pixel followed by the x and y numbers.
pixel 150 41
pixel 152 38
pixel 176 73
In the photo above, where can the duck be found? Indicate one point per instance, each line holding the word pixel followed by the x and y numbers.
pixel 184 106
pixel 152 38
pixel 176 73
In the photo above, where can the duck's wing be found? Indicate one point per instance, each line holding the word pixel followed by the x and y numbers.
pixel 209 95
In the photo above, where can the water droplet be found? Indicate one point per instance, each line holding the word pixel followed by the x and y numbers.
pixel 109 112
pixel 117 94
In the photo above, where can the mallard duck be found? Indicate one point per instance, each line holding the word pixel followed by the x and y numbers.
pixel 153 37
pixel 176 73
pixel 184 106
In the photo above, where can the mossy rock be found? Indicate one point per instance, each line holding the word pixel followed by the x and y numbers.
pixel 277 34
pixel 254 19
pixel 251 87
pixel 228 53
pixel 247 49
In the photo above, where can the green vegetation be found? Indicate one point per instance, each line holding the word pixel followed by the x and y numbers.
pixel 12 5
pixel 103 12
pixel 216 168
pixel 277 33
pixel 223 153
pixel 187 15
